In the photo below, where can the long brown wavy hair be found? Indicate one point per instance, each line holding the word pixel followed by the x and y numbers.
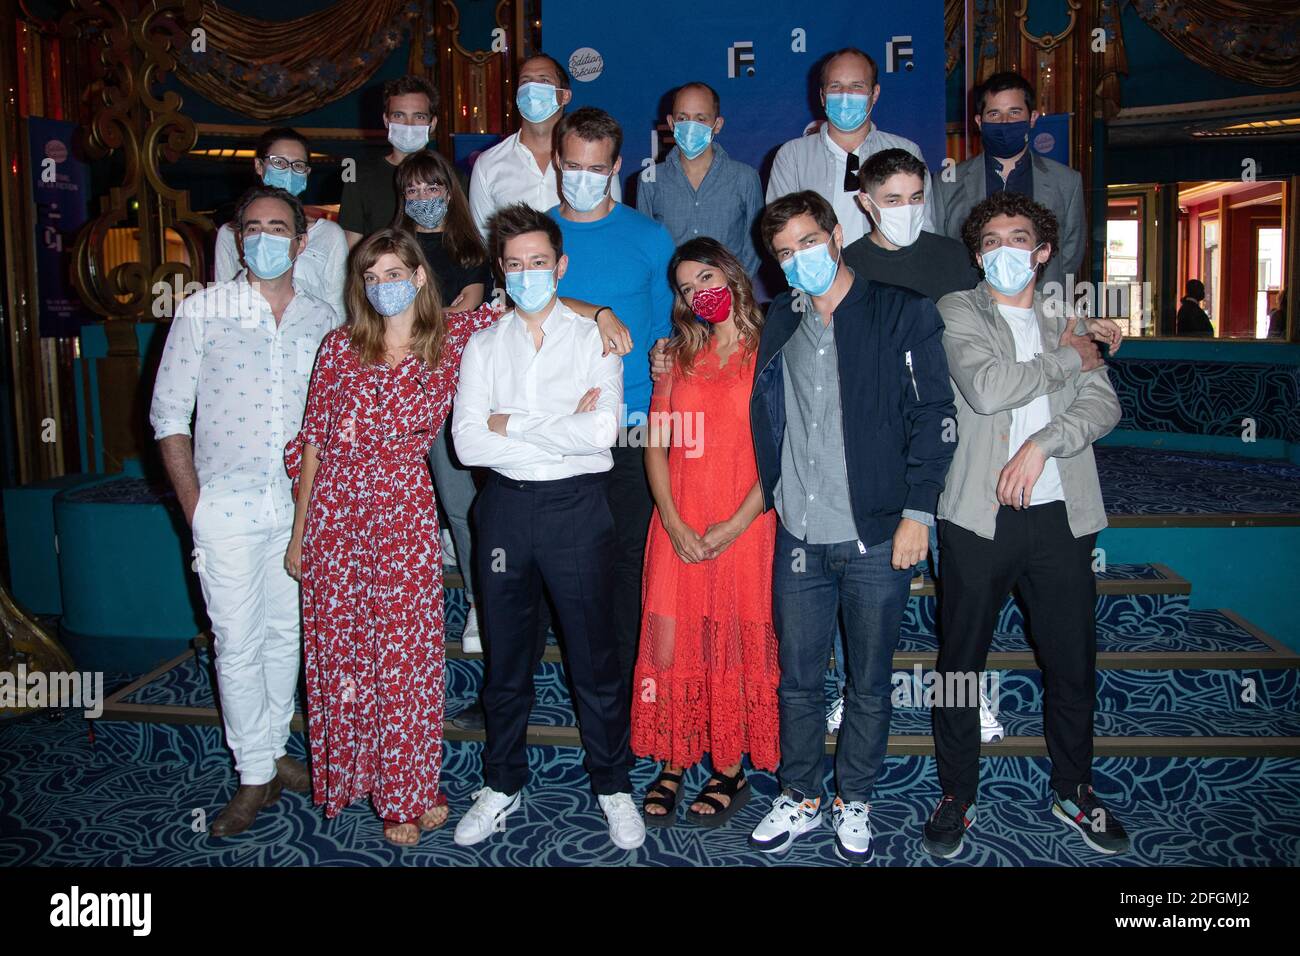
pixel 460 237
pixel 690 335
pixel 428 331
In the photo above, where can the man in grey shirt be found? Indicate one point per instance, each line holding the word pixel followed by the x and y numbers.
pixel 699 190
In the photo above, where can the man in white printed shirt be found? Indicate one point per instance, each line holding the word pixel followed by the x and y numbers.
pixel 240 353
pixel 827 162
pixel 519 168
pixel 539 405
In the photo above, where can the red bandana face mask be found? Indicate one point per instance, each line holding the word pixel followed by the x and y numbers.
pixel 712 305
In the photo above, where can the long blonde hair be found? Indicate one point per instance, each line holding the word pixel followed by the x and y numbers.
pixel 428 330
pixel 690 335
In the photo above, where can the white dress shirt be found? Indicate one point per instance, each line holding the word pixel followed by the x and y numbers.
pixel 507 173
pixel 248 378
pixel 502 371
pixel 817 162
pixel 320 269
pixel 1029 419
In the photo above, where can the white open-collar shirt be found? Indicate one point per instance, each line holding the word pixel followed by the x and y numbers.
pixel 502 371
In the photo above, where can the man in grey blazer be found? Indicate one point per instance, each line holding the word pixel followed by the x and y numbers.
pixel 1005 116
pixel 1020 511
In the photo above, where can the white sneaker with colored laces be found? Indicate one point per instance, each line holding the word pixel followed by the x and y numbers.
pixel 471 642
pixel 785 822
pixel 991 730
pixel 852 830
pixel 626 828
pixel 487 816
pixel 835 717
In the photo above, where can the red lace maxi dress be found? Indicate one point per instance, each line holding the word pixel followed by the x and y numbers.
pixel 707 669
pixel 372 625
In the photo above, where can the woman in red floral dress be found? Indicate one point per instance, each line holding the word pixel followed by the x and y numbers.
pixel 707 668
pixel 366 540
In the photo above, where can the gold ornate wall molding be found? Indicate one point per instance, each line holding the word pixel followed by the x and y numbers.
pixel 135 43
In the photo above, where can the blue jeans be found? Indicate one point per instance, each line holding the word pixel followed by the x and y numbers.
pixel 930 561
pixel 813 585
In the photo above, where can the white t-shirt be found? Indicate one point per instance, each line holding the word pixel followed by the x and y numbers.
pixel 1029 419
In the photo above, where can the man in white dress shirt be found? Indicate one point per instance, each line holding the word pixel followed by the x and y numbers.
pixel 519 168
pixel 283 158
pixel 241 354
pixel 827 162
pixel 539 405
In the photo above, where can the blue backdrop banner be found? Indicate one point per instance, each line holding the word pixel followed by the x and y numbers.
pixel 760 57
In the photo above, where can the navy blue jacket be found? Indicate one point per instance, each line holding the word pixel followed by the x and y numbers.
pixel 900 424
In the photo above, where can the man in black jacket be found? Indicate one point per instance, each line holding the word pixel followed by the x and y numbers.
pixel 854 428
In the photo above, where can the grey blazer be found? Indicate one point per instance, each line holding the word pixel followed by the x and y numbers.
pixel 1057 187
pixel 989 382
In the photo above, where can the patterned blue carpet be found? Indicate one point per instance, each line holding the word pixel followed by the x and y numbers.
pixel 137 794
pixel 1145 481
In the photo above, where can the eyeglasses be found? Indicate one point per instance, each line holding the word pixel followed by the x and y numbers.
pixel 425 191
pixel 283 162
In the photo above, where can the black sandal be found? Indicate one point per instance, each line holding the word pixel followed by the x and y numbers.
pixel 669 800
pixel 734 788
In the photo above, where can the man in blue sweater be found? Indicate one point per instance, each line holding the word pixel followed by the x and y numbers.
pixel 854 429
pixel 617 257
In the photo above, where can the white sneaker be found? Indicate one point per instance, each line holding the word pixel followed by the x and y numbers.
pixel 471 642
pixel 991 731
pixel 448 548
pixel 626 828
pixel 852 830
pixel 487 816
pixel 835 717
pixel 787 820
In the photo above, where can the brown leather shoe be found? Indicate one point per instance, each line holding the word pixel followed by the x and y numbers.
pixel 240 812
pixel 292 774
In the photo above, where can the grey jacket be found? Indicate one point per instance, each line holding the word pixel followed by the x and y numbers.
pixel 989 383
pixel 1057 187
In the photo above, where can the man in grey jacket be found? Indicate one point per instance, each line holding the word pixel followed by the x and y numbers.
pixel 1021 510
pixel 1005 115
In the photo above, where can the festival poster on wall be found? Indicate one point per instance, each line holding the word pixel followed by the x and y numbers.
pixel 60 190
pixel 759 57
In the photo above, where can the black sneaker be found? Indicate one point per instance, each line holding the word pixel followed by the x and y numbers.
pixel 1100 827
pixel 471 718
pixel 947 825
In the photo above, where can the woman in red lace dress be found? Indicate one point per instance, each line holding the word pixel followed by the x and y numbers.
pixel 366 540
pixel 707 668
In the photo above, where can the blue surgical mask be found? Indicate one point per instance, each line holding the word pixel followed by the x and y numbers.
pixel 531 289
pixel 537 101
pixel 407 138
pixel 428 213
pixel 267 256
pixel 286 179
pixel 812 270
pixel 583 189
pixel 390 298
pixel 1004 140
pixel 1009 269
pixel 847 111
pixel 692 138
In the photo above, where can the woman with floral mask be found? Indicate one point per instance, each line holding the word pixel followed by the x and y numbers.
pixel 366 544
pixel 707 668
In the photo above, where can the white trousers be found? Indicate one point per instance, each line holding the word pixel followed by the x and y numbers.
pixel 253 604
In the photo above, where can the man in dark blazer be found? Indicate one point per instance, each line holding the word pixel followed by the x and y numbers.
pixel 1005 116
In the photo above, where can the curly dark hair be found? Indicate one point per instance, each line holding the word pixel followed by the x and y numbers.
pixel 1004 203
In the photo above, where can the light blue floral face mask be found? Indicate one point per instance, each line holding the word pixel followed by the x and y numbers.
pixel 267 256
pixel 390 298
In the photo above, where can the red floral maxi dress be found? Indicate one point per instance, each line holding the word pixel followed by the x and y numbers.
pixel 372 625
pixel 707 668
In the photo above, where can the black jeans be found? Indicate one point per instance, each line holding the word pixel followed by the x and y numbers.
pixel 632 505
pixel 561 534
pixel 1034 553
